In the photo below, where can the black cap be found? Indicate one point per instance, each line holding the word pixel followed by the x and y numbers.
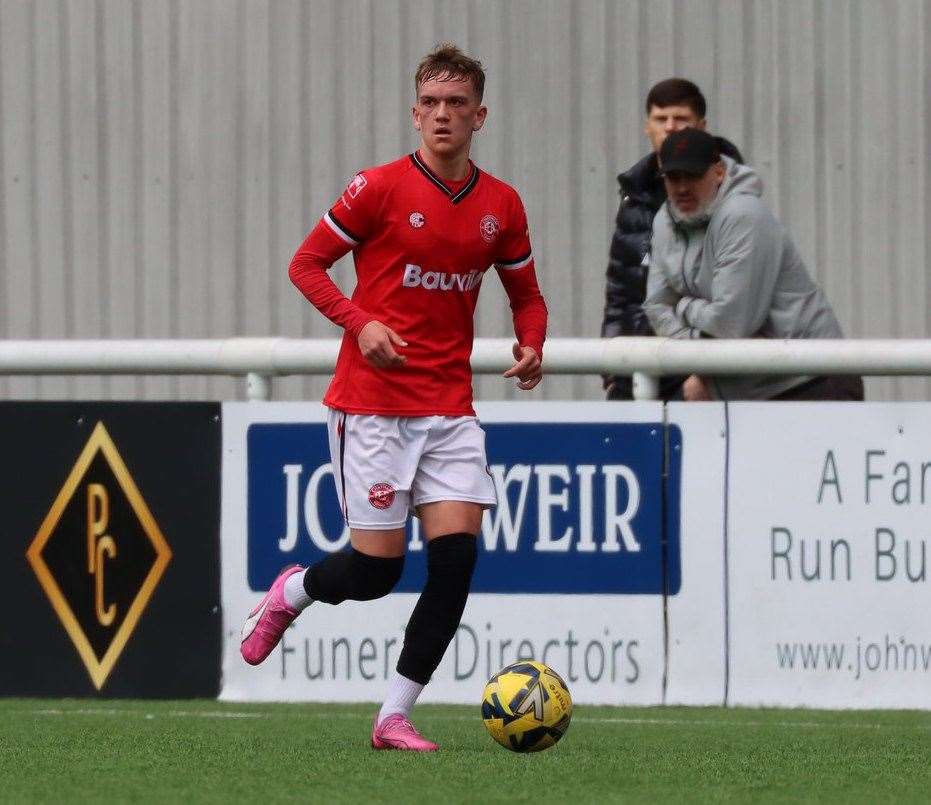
pixel 690 151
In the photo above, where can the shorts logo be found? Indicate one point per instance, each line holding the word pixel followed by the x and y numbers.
pixel 489 228
pixel 381 496
pixel 417 220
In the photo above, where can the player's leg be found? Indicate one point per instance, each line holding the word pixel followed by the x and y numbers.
pixel 449 528
pixel 368 570
pixel 372 485
pixel 373 490
pixel 452 488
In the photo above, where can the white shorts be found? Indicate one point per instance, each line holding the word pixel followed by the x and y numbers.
pixel 386 465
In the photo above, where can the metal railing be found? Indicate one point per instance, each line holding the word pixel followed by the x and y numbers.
pixel 646 359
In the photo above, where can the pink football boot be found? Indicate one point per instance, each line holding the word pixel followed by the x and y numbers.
pixel 396 732
pixel 267 622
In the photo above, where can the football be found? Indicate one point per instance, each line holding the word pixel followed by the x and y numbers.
pixel 526 707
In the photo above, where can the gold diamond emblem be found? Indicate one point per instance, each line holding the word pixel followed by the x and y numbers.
pixel 99 555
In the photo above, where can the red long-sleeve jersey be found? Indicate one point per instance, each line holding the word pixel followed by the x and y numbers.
pixel 421 248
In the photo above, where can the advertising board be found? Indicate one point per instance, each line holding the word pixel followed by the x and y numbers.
pixel 696 655
pixel 574 561
pixel 828 533
pixel 110 557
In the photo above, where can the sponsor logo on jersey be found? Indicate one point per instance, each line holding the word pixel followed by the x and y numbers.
pixel 356 185
pixel 416 277
pixel 353 189
pixel 417 220
pixel 489 228
pixel 381 496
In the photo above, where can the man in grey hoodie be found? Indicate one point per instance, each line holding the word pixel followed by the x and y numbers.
pixel 722 266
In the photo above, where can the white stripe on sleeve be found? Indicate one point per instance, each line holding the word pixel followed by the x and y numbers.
pixel 339 231
pixel 513 266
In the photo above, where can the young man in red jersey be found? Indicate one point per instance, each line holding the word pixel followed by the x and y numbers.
pixel 403 435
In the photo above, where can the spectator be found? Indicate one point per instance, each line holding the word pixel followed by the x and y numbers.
pixel 723 266
pixel 671 105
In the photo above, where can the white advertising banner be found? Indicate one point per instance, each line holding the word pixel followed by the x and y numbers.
pixel 696 615
pixel 572 565
pixel 607 654
pixel 827 533
pixel 754 554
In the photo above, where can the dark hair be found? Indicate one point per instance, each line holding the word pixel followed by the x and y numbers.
pixel 676 92
pixel 447 60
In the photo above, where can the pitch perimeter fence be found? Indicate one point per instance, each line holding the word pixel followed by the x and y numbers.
pixel 735 553
pixel 646 359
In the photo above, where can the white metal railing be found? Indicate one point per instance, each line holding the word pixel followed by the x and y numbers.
pixel 259 359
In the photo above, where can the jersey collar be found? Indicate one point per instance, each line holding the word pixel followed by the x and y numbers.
pixel 437 182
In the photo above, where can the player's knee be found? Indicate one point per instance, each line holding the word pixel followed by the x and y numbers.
pixel 353 576
pixel 450 562
pixel 452 556
pixel 375 576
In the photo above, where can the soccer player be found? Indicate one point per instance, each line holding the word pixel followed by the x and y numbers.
pixel 403 434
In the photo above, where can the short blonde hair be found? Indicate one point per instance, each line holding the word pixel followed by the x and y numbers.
pixel 447 60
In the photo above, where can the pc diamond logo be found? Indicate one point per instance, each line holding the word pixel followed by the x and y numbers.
pixel 98 555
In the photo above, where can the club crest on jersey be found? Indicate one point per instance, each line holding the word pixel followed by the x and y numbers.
pixel 417 220
pixel 489 228
pixel 381 496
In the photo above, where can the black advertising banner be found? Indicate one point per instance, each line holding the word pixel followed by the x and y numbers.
pixel 109 554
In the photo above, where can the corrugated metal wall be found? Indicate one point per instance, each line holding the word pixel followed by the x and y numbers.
pixel 162 159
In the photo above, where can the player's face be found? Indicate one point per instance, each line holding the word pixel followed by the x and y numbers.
pixel 690 195
pixel 664 120
pixel 447 113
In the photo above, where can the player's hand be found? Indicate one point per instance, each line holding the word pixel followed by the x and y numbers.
pixel 377 343
pixel 528 370
pixel 695 389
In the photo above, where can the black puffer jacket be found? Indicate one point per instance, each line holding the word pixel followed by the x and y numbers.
pixel 642 194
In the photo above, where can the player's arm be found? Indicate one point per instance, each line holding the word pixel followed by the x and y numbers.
pixel 339 231
pixel 309 272
pixel 518 276
pixel 530 314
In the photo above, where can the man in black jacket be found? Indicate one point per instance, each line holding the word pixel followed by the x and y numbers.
pixel 671 105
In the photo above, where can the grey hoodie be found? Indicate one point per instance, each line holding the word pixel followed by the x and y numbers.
pixel 735 274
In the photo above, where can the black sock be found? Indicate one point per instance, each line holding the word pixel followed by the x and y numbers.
pixel 352 576
pixel 450 562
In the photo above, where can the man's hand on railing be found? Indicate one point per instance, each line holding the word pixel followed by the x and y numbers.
pixel 694 389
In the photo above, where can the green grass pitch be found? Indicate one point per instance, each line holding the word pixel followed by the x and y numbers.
pixel 205 751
